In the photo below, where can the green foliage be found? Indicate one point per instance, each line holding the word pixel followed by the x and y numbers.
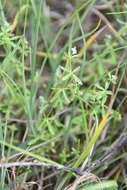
pixel 53 105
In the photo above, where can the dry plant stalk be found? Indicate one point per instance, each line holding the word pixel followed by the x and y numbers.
pixel 85 177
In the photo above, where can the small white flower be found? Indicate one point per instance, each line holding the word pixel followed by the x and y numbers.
pixel 114 77
pixel 74 50
pixel 58 71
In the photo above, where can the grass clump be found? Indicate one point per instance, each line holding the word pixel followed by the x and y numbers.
pixel 63 93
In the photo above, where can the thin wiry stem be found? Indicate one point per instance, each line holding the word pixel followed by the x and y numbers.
pixel 105 6
pixel 109 153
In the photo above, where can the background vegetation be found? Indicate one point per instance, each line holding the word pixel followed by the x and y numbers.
pixel 62 92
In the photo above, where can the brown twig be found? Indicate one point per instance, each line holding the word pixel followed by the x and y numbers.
pixel 106 21
pixel 114 147
pixel 113 171
pixel 36 163
pixel 29 164
pixel 105 6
